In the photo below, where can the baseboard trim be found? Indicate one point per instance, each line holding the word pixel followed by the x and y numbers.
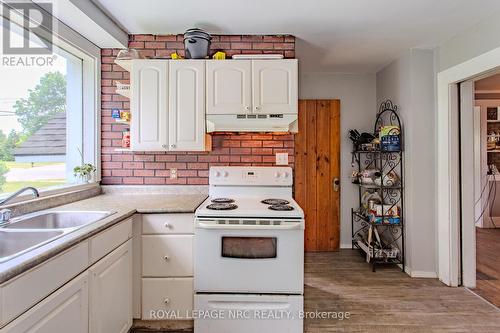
pixel 346 246
pixel 423 274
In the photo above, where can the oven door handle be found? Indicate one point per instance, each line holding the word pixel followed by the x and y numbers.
pixel 287 226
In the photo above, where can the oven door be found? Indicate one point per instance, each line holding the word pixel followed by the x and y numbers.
pixel 242 257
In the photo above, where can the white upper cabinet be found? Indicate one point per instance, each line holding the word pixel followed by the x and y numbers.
pixel 275 86
pixel 229 86
pixel 186 105
pixel 149 110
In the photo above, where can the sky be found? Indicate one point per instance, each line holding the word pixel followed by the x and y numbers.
pixel 15 82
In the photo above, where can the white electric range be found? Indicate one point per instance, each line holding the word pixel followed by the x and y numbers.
pixel 249 253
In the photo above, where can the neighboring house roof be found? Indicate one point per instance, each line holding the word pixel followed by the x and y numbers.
pixel 50 139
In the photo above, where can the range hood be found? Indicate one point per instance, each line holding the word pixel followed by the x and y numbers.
pixel 252 123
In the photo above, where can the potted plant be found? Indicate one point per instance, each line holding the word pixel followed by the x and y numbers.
pixel 84 171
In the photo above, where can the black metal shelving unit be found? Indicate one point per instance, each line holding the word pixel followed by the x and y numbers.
pixel 391 249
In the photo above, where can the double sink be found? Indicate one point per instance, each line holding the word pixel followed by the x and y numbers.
pixel 28 232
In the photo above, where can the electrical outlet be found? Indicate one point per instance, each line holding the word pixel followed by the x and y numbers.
pixel 281 158
pixel 173 173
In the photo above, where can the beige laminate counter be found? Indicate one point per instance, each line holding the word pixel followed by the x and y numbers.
pixel 123 206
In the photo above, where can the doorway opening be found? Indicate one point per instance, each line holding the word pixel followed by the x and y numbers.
pixel 479 123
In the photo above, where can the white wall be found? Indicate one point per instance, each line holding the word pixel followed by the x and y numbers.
pixel 409 82
pixel 357 94
pixel 477 40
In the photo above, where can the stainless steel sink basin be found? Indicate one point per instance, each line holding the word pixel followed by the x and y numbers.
pixel 57 219
pixel 17 242
pixel 28 232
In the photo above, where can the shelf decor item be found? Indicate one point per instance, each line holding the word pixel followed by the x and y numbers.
pixel 378 221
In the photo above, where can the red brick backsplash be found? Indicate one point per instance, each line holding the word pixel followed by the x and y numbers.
pixel 243 149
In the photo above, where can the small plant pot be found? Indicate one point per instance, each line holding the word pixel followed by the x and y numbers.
pixel 85 178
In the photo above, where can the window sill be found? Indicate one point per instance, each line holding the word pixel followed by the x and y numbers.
pixel 49 192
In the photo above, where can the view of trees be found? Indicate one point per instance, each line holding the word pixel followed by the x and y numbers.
pixel 42 103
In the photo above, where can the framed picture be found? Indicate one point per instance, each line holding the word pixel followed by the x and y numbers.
pixel 492 113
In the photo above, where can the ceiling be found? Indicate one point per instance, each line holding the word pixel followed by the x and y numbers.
pixel 349 36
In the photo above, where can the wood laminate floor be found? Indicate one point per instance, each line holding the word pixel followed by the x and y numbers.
pixel 488 264
pixel 388 300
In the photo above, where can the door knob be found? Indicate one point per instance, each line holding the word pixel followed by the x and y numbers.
pixel 336 184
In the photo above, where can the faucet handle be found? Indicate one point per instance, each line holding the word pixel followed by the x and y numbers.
pixel 5 215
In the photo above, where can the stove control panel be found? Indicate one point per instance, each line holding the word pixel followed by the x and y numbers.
pixel 256 176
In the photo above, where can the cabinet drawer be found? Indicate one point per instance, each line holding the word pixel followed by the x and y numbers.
pixel 167 255
pixel 168 224
pixel 167 295
pixel 23 292
pixel 110 239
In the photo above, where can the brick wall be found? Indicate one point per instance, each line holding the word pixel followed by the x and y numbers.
pixel 192 168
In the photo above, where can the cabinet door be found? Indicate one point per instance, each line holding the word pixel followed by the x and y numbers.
pixel 149 110
pixel 275 86
pixel 186 105
pixel 167 255
pixel 171 297
pixel 111 292
pixel 229 86
pixel 66 310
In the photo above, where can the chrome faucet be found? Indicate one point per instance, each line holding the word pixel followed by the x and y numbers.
pixel 6 214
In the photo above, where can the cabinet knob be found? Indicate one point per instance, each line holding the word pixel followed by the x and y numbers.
pixel 247 108
pixel 166 301
pixel 173 145
pixel 166 257
pixel 257 108
pixel 164 146
pixel 168 226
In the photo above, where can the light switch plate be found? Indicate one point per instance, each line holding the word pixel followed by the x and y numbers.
pixel 281 158
pixel 173 173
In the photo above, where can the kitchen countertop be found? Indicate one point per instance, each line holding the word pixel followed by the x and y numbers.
pixel 124 205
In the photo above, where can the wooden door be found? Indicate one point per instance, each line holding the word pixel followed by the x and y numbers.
pixel 148 127
pixel 66 310
pixel 186 105
pixel 229 88
pixel 111 292
pixel 317 168
pixel 275 86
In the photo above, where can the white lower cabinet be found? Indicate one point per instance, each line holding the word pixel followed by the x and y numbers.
pixel 167 266
pixel 56 297
pixel 167 255
pixel 66 310
pixel 167 298
pixel 111 292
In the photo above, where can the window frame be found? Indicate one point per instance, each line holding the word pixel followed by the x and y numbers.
pixel 72 42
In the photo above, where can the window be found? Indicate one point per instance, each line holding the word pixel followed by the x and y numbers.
pixel 46 129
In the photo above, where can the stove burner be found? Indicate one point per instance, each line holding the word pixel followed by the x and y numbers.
pixel 222 200
pixel 222 206
pixel 281 207
pixel 275 202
